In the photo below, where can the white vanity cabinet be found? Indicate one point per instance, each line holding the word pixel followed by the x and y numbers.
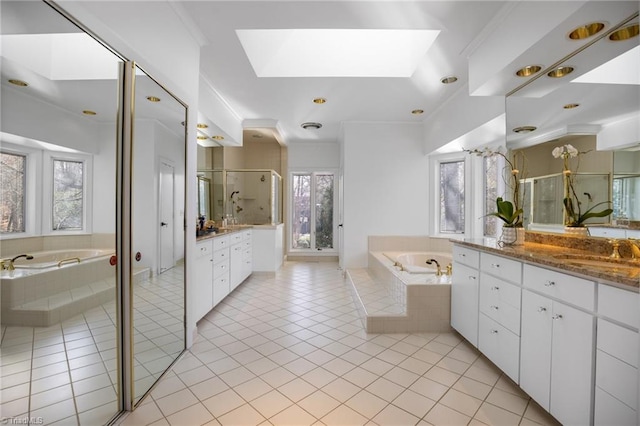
pixel 247 253
pixel 464 292
pixel 499 316
pixel 235 275
pixel 557 343
pixel 616 392
pixel 221 264
pixel 203 282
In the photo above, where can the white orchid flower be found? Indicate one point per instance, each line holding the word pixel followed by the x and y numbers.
pixel 557 152
pixel 571 151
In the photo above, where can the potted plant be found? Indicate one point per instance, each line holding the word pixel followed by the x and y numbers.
pixel 510 212
pixel 574 218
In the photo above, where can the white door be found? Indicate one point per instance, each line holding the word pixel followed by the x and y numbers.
pixel 166 239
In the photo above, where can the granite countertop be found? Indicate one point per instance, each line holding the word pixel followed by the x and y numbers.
pixel 223 231
pixel 552 256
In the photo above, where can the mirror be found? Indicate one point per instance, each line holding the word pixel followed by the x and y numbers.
pixel 591 103
pixel 158 204
pixel 59 343
pixel 626 185
pixel 204 196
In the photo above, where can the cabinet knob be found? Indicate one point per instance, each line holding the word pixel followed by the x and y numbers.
pixel 495 308
pixel 495 288
pixel 542 309
pixel 494 332
pixel 462 255
pixel 557 317
pixel 495 265
pixel 471 277
pixel 549 284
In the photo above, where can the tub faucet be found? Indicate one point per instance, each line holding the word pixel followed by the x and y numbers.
pixel 8 263
pixel 438 269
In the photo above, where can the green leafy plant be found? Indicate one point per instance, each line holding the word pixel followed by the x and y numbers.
pixel 572 205
pixel 507 213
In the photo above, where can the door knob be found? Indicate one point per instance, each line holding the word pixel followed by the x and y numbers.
pixel 163 223
pixel 138 256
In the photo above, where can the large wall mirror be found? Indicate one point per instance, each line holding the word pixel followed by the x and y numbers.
pixel 61 332
pixel 598 99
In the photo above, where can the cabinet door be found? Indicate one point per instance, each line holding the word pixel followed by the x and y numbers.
pixel 535 347
pixel 572 365
pixel 235 267
pixel 203 281
pixel 464 302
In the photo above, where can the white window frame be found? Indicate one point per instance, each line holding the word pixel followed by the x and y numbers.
pixel 87 192
pixel 473 195
pixel 33 190
pixel 324 252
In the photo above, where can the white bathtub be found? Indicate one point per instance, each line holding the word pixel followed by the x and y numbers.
pixel 416 262
pixel 52 258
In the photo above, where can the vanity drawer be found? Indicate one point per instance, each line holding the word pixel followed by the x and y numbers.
pixel 617 378
pixel 466 255
pixel 465 275
pixel 500 301
pixel 235 238
pixel 506 269
pixel 220 242
pixel 220 270
pixel 618 341
pixel 221 255
pixel 620 305
pixel 246 234
pixel 204 249
pixel 567 288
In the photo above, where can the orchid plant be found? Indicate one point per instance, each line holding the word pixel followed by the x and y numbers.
pixel 509 211
pixel 572 205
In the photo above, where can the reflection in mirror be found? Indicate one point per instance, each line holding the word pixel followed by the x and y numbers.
pixel 59 323
pixel 626 186
pixel 204 197
pixel 158 203
pixel 602 98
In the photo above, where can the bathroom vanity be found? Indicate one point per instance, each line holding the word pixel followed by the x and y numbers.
pixel 223 261
pixel 563 328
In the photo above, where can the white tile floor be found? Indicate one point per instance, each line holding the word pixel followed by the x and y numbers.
pixel 66 373
pixel 290 350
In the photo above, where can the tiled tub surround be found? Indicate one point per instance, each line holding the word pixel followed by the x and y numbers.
pixel 394 301
pixel 13 246
pixel 44 293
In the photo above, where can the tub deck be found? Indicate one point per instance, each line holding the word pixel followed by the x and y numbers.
pixel 391 301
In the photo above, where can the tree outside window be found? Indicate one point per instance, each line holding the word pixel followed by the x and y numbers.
pixel 68 194
pixel 452 197
pixel 12 192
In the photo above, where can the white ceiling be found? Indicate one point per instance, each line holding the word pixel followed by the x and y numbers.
pixel 475 38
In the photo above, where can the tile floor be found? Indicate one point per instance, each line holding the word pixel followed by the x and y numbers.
pixel 290 349
pixel 66 373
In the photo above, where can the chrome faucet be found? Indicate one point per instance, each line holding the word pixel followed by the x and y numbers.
pixel 635 248
pixel 438 269
pixel 8 263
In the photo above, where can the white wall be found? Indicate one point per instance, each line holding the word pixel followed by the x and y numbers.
pixel 385 185
pixel 316 155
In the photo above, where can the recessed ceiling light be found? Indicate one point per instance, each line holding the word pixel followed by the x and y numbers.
pixel 625 33
pixel 217 137
pixel 311 125
pixel 18 82
pixel 448 80
pixel 88 112
pixel 202 138
pixel 586 31
pixel 153 99
pixel 202 126
pixel 529 70
pixel 417 111
pixel 525 129
pixel 560 72
pixel 319 100
pixel 571 106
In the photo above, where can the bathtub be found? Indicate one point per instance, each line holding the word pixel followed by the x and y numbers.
pixel 416 262
pixel 60 258
pixel 42 291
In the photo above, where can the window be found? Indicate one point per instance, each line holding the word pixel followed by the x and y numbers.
pixel 312 225
pixel 12 195
pixel 490 166
pixel 68 195
pixel 452 192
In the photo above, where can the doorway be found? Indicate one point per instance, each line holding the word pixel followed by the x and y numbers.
pixel 166 200
pixel 313 211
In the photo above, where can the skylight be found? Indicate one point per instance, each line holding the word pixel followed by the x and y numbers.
pixel 335 52
pixel 624 69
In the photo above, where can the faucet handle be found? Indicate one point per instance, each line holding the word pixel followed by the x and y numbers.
pixel 615 245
